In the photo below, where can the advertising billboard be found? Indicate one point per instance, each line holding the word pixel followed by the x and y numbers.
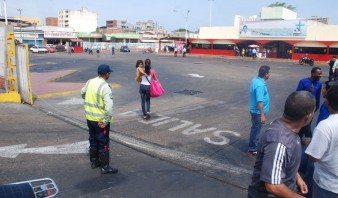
pixel 279 28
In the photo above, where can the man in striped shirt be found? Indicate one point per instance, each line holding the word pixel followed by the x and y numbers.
pixel 279 152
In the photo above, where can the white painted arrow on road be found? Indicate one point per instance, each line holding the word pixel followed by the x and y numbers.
pixel 14 150
pixel 196 75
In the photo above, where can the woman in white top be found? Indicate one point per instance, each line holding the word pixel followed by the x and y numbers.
pixel 145 88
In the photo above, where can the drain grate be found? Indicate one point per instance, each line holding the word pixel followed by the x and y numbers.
pixel 188 92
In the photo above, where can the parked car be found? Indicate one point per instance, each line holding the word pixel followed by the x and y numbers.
pixel 50 49
pixel 124 48
pixel 37 49
pixel 49 45
pixel 60 48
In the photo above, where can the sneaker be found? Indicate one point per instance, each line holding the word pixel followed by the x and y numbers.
pixel 148 115
pixel 251 153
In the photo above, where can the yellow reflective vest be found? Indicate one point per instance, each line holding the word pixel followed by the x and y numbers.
pixel 98 103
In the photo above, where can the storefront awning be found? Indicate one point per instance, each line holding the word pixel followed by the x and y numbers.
pixel 76 40
pixel 223 42
pixel 335 45
pixel 201 41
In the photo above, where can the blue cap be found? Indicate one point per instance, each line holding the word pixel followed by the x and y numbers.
pixel 103 69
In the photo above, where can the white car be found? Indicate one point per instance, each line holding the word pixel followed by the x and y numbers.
pixel 37 49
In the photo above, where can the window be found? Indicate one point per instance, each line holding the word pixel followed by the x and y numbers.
pixel 333 51
pixel 223 46
pixel 201 46
pixel 310 50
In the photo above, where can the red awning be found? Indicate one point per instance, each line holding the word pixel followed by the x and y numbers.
pixel 76 40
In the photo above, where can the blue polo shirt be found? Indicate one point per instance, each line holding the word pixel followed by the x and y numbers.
pixel 306 83
pixel 259 93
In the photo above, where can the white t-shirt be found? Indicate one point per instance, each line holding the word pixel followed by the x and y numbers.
pixel 324 146
pixel 145 81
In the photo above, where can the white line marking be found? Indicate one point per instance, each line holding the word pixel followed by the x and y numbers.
pixel 14 150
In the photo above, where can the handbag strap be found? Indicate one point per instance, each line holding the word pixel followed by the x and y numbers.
pixel 148 79
pixel 151 74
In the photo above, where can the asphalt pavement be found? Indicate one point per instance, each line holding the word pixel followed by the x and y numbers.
pixel 140 175
pixel 49 138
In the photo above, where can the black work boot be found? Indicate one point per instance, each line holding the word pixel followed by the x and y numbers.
pixel 94 158
pixel 105 168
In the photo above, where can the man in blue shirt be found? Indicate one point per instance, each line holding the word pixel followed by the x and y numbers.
pixel 259 106
pixel 313 85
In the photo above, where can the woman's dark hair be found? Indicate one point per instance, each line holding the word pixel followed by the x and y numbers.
pixel 147 67
pixel 298 105
pixel 138 62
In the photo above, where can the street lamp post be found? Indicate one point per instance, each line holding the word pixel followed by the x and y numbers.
pixel 186 27
pixel 210 5
pixel 5 11
pixel 20 10
pixel 34 23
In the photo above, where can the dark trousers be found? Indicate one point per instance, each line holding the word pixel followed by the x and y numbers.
pixel 98 137
pixel 331 74
pixel 145 98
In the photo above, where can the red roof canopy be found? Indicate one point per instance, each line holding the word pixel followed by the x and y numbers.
pixel 76 40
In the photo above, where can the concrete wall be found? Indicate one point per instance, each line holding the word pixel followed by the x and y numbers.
pixel 277 13
pixel 321 32
pixel 219 32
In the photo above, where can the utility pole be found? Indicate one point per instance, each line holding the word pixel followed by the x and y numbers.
pixel 5 11
pixel 20 10
pixel 186 27
pixel 210 5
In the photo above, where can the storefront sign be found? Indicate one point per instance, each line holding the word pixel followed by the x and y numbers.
pixel 54 34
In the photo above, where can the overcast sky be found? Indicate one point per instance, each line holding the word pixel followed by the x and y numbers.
pixel 162 11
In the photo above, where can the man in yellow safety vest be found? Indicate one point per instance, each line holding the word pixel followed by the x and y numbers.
pixel 98 107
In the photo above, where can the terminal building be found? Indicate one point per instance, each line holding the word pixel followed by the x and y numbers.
pixel 277 33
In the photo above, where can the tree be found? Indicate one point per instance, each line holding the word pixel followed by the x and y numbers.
pixel 282 4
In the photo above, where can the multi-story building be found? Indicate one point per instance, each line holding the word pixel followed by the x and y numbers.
pixel 51 21
pixel 81 20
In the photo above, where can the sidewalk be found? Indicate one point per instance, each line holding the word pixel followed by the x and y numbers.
pixel 139 174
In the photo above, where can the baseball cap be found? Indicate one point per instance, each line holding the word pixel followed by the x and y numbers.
pixel 103 69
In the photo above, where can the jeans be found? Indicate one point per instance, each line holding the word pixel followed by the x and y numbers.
pixel 306 170
pixel 145 98
pixel 322 193
pixel 255 131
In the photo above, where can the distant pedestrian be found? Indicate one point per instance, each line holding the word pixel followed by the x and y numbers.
pixel 323 150
pixel 175 51
pixel 98 107
pixel 254 53
pixel 113 50
pixel 259 106
pixel 90 50
pixel 275 171
pixel 184 51
pixel 243 52
pixel 98 49
pixel 331 63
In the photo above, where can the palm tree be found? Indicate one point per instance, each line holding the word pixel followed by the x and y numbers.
pixel 282 4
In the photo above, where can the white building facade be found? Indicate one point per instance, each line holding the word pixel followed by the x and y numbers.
pixel 80 20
